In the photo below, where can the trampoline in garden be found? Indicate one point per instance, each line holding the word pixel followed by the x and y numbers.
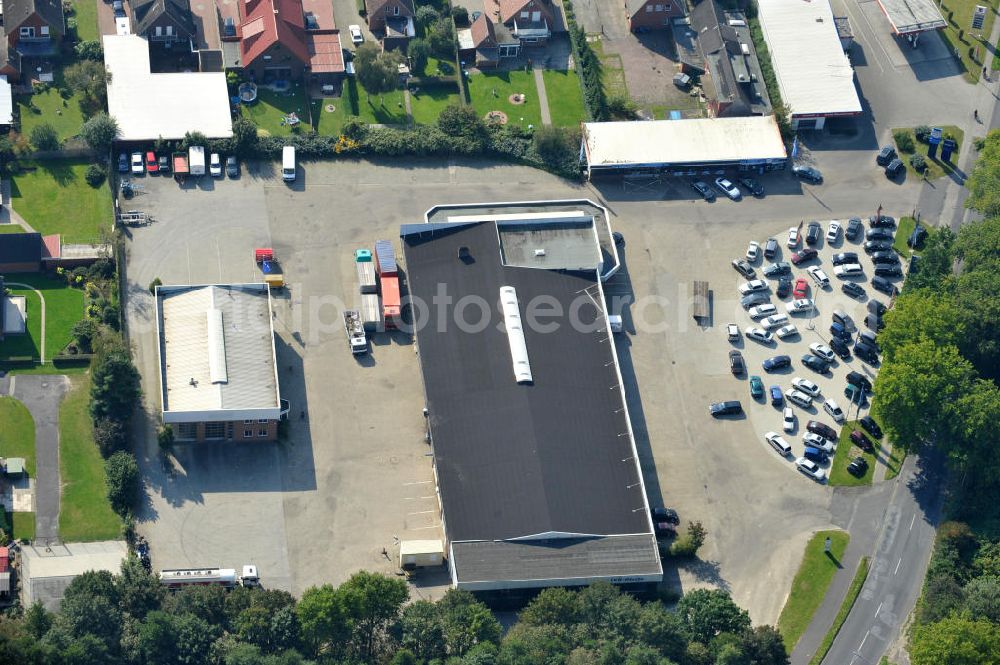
pixel 248 92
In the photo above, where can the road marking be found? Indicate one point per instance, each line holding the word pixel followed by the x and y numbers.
pixel 878 610
pixel 417 482
pixel 422 512
pixel 912 520
pixel 897 565
pixel 863 640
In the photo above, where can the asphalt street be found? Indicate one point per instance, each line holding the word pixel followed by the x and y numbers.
pixel 897 567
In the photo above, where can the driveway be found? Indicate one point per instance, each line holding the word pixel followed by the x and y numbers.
pixel 41 394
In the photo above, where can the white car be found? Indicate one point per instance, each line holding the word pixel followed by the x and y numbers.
pixel 785 332
pixel 760 311
pixel 774 321
pixel 818 276
pixel 733 332
pixel 752 286
pixel 834 410
pixel 833 232
pixel 728 188
pixel 800 398
pixel 806 386
pixel 753 251
pixel 816 441
pixel 794 237
pixel 847 269
pixel 788 419
pixel 800 305
pixel 138 168
pixel 777 442
pixel 758 335
pixel 823 351
pixel 215 165
pixel 356 35
pixel 810 469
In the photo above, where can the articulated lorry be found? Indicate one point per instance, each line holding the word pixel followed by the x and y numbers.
pixel 227 578
pixel 388 277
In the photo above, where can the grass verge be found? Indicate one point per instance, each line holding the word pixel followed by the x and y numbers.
pixel 845 608
pixel 961 39
pixel 11 228
pixel 53 197
pixel 17 433
pixel 562 89
pixel 847 451
pixel 896 460
pixel 810 584
pixel 23 525
pixel 85 513
pixel 906 226
pixel 935 167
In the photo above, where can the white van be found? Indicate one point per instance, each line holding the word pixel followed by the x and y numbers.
pixel 288 163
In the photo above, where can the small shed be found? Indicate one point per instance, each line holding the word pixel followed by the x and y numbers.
pixel 14 466
pixel 420 554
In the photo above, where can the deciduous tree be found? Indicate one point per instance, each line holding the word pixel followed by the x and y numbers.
pixel 955 641
pixel 708 612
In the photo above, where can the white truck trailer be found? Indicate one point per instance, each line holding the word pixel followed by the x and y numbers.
pixel 196 160
pixel 179 578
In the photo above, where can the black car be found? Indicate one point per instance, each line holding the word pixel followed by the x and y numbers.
pixel 754 299
pixel 164 162
pixel 874 322
pixel 885 257
pixel 859 439
pixel 873 246
pixel 882 235
pixel 807 173
pixel 860 380
pixel 852 289
pixel 814 233
pixel 871 426
pixel 888 270
pixel 824 430
pixel 777 269
pixel 123 166
pixel 854 228
pixel 703 189
pixel 877 307
pixel 917 237
pixel 866 352
pixel 845 257
pixel 784 287
pixel 840 347
pixel 858 467
pixel 885 155
pixel 729 408
pixel 736 365
pixel 770 248
pixel 753 186
pixel 776 363
pixel 882 222
pixel 233 171
pixel 664 529
pixel 668 515
pixel 815 363
pixel 869 337
pixel 894 169
pixel 803 255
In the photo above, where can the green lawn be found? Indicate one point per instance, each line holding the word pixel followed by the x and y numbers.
pixel 562 88
pixel 353 104
pixel 11 228
pixel 438 67
pixel 906 226
pixel 63 113
pixel 612 71
pixel 846 451
pixel 491 92
pixel 810 584
pixel 896 459
pixel 17 435
pixel 935 167
pixel 63 308
pixel 430 100
pixel 23 525
pixel 86 19
pixel 961 20
pixel 271 107
pixel 55 198
pixel 845 608
pixel 85 513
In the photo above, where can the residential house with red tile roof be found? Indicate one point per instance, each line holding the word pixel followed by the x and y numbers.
pixel 484 44
pixel 31 30
pixel 288 40
pixel 646 15
pixel 391 21
pixel 530 21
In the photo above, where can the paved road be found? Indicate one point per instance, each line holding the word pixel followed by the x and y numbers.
pixel 42 395
pixel 897 566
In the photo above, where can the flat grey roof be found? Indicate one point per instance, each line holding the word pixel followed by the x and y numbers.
pixel 46 574
pixel 907 16
pixel 567 246
pixel 514 460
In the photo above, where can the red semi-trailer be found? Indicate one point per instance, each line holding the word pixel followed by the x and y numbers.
pixel 388 279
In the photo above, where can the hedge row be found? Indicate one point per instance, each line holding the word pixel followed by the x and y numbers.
pixel 588 65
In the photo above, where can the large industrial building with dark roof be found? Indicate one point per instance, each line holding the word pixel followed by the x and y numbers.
pixel 536 466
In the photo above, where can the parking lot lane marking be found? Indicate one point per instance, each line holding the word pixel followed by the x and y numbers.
pixel 912 520
pixel 878 610
pixel 420 528
pixel 422 512
pixel 897 565
pixel 218 254
pixel 418 482
pixel 863 640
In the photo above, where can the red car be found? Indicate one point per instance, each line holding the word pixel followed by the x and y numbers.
pixel 801 289
pixel 803 255
pixel 152 166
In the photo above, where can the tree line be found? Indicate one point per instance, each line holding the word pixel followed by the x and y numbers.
pixel 130 619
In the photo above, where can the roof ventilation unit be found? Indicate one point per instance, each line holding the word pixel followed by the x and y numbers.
pixel 539 252
pixel 515 334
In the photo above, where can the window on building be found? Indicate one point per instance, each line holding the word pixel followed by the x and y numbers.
pixel 659 8
pixel 262 421
pixel 395 10
pixel 170 30
pixel 248 421
pixel 649 9
pixel 524 15
pixel 186 431
pixel 262 432
pixel 159 31
pixel 45 31
pixel 28 32
pixel 248 434
pixel 215 430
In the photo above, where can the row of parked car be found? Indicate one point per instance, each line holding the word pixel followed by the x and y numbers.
pixel 732 191
pixel 154 164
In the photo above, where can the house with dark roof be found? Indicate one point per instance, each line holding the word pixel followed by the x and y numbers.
pixel 391 21
pixel 718 47
pixel 165 21
pixel 279 40
pixel 530 21
pixel 34 28
pixel 645 15
pixel 21 252
pixel 486 44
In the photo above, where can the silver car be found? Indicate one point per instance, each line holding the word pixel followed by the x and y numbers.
pixel 799 398
pixel 810 469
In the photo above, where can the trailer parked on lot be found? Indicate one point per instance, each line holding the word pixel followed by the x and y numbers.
pixel 196 158
pixel 366 271
pixel 224 577
pixel 371 312
pixel 268 264
pixel 181 170
pixel 388 278
pixel 355 332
